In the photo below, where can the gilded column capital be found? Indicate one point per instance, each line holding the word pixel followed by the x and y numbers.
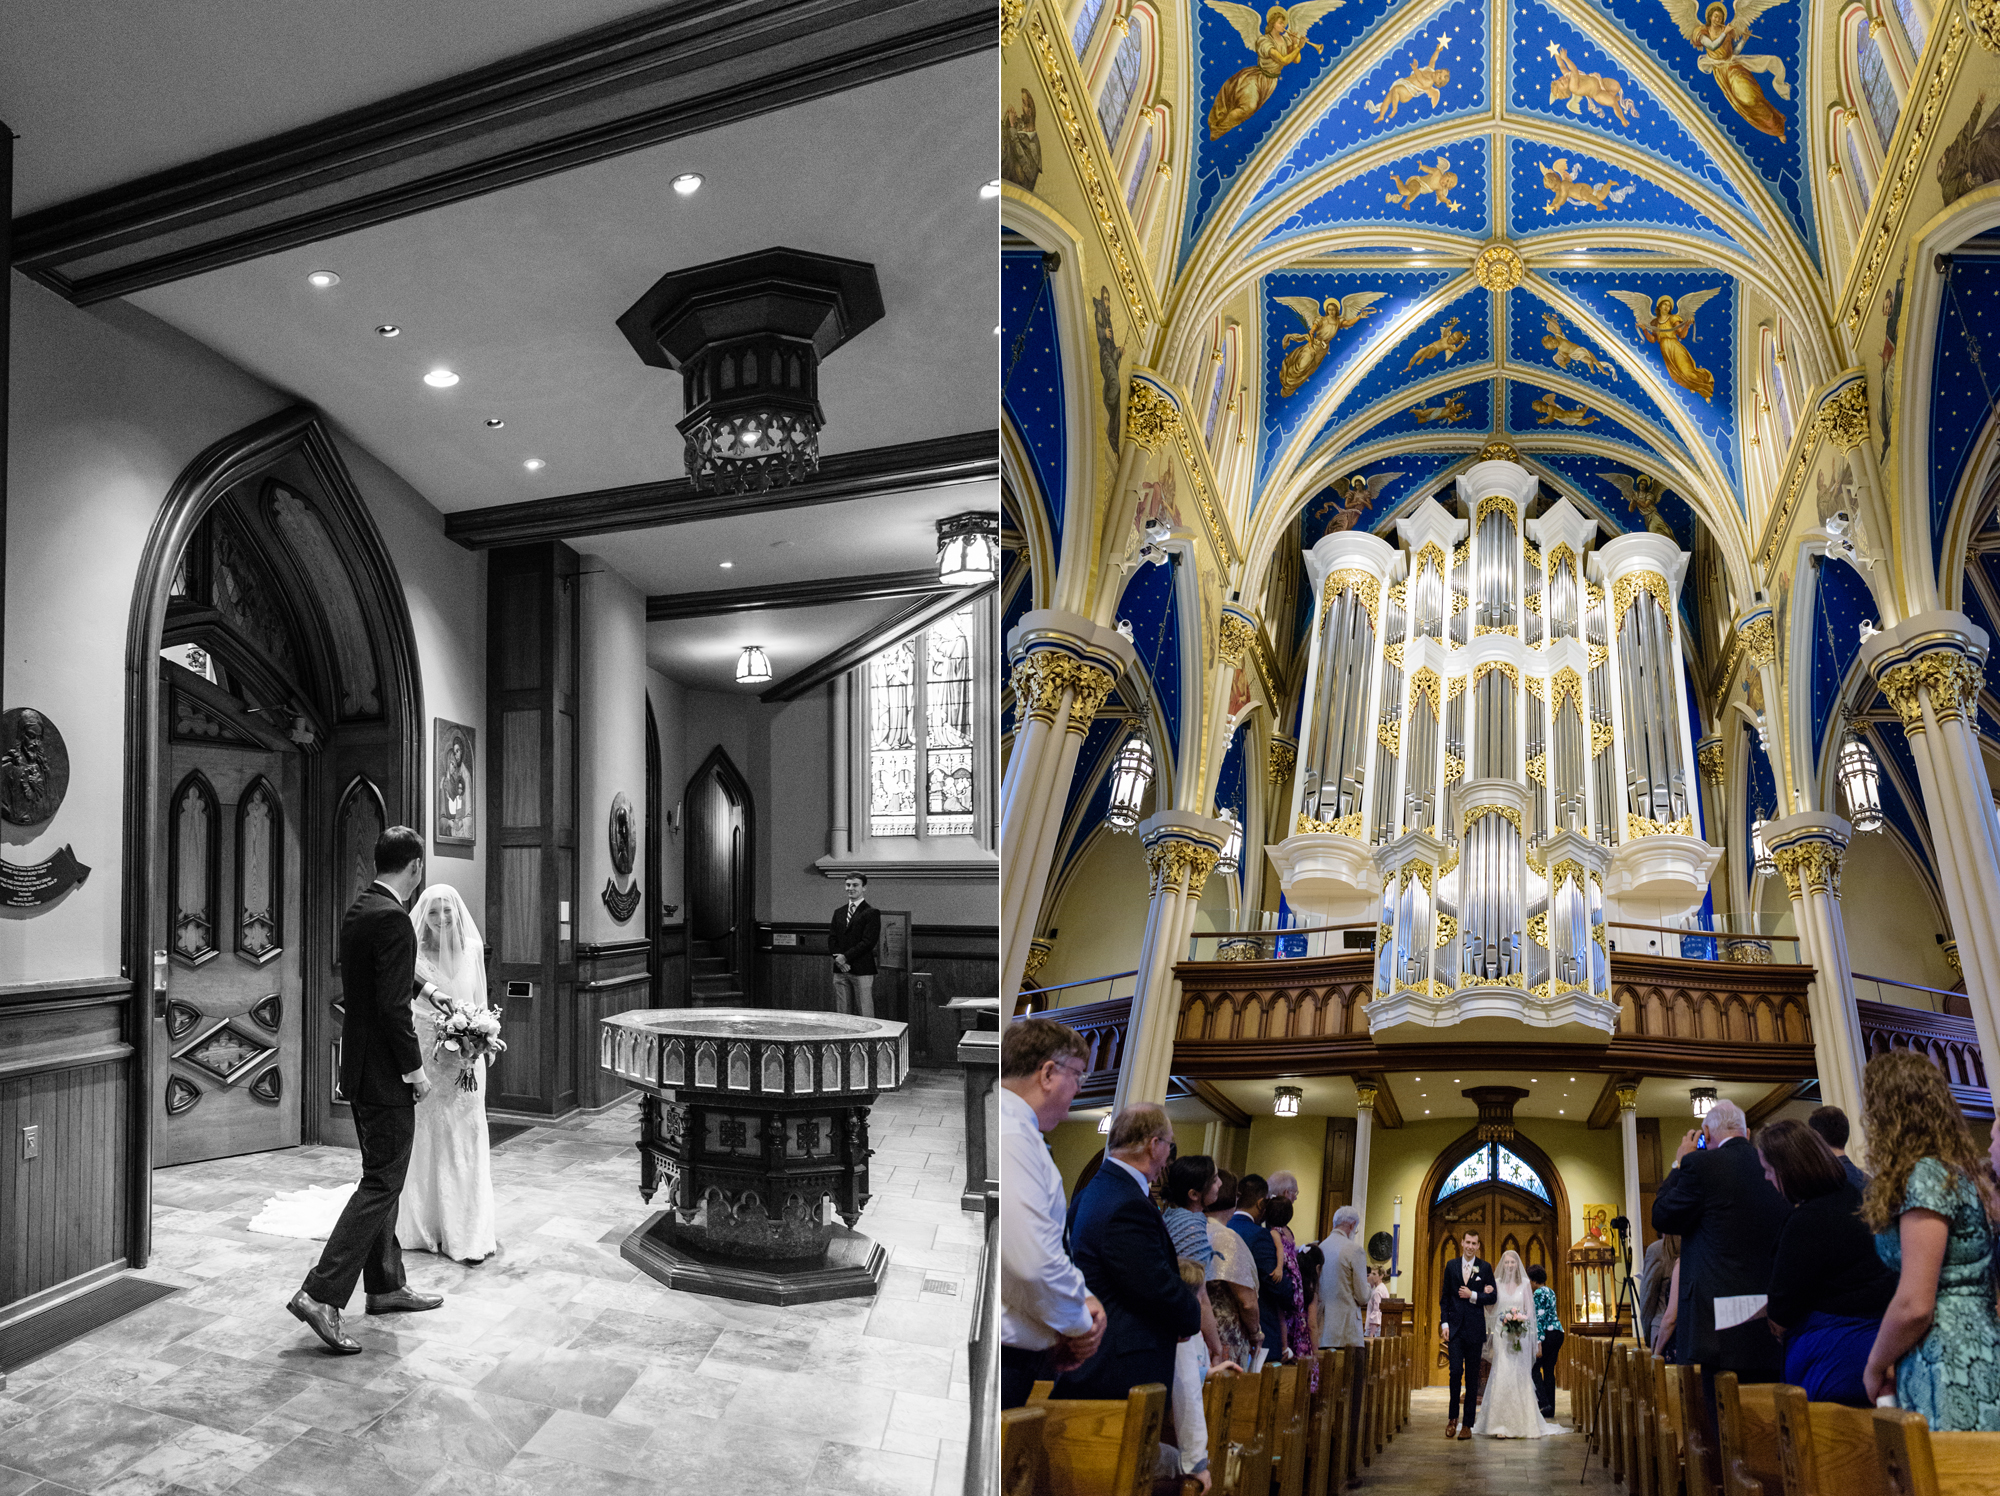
pixel 1757 639
pixel 1364 1094
pixel 1284 754
pixel 1011 12
pixel 1709 754
pixel 1178 864
pixel 1237 634
pixel 1844 419
pixel 1151 419
pixel 1628 1098
pixel 1811 867
pixel 1042 676
pixel 1985 18
pixel 1948 676
pixel 1038 953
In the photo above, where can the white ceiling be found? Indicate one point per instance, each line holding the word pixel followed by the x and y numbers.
pixel 1554 1095
pixel 701 652
pixel 99 96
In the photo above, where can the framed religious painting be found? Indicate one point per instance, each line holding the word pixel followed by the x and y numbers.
pixel 454 789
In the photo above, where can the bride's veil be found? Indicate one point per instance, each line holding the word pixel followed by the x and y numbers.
pixel 1514 1289
pixel 449 950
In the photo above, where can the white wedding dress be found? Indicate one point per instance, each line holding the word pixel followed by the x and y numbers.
pixel 447 1202
pixel 1508 1408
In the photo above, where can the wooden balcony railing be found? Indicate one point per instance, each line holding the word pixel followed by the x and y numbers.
pixel 1947 1041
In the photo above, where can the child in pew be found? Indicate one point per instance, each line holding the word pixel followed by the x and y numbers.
pixel 1931 1203
pixel 1187 1454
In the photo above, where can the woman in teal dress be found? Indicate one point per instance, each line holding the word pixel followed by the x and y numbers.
pixel 1931 1205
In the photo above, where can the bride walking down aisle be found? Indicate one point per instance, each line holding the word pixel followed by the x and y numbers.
pixel 1510 1409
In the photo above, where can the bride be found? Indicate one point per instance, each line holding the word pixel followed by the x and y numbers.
pixel 1509 1408
pixel 447 1204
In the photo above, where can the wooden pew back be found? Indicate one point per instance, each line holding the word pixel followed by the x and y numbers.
pixel 1102 1448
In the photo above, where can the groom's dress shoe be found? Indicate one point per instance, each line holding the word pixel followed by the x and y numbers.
pixel 1451 1431
pixel 402 1301
pixel 1466 1432
pixel 324 1321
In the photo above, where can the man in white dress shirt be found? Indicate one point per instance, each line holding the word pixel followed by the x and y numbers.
pixel 1049 1323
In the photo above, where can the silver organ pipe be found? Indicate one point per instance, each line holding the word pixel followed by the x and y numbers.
pixel 1337 757
pixel 1656 779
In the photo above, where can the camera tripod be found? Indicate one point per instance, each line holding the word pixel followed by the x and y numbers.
pixel 1628 1294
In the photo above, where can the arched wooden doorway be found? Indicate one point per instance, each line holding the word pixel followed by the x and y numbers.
pixel 721 825
pixel 273 728
pixel 1512 1196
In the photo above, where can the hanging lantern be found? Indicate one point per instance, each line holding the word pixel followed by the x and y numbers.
pixel 753 666
pixel 1761 856
pixel 968 550
pixel 1104 1124
pixel 1861 784
pixel 1232 850
pixel 1285 1101
pixel 1702 1098
pixel 1131 777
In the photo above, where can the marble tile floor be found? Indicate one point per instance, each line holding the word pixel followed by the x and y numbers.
pixel 1419 1462
pixel 552 1367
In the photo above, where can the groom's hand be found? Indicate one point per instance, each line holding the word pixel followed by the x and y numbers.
pixel 419 1082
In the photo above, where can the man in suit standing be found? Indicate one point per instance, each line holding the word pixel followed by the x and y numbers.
pixel 852 937
pixel 1467 1288
pixel 1129 1263
pixel 1728 1216
pixel 382 1077
pixel 1343 1289
pixel 1274 1294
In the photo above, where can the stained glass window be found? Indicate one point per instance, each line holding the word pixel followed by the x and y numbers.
pixel 1863 189
pixel 1116 100
pixel 1139 170
pixel 1214 401
pixel 922 731
pixel 1875 85
pixel 1913 24
pixel 1515 1171
pixel 1086 22
pixel 1477 1169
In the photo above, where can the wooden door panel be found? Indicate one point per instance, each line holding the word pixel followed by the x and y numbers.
pixel 1507 1220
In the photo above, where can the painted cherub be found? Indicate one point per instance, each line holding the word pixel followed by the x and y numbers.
pixel 1551 409
pixel 1437 179
pixel 1448 341
pixel 1449 413
pixel 1427 81
pixel 1564 188
pixel 1602 94
pixel 1278 38
pixel 1567 350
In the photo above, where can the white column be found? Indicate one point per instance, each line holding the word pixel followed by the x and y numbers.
pixel 1180 854
pixel 1364 1133
pixel 1628 1147
pixel 1809 850
pixel 1929 667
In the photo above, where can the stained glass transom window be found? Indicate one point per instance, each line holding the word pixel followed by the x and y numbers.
pixel 922 734
pixel 1493 1162
pixel 1477 1169
pixel 1513 1170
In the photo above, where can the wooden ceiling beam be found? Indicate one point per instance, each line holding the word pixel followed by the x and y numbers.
pixel 1604 1111
pixel 1211 1097
pixel 876 473
pixel 664 74
pixel 870 642
pixel 1387 1112
pixel 1761 1111
pixel 812 594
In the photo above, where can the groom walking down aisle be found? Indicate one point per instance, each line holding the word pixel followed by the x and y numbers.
pixel 382 1076
pixel 1467 1289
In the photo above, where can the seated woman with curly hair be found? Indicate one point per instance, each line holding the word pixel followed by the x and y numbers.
pixel 1931 1204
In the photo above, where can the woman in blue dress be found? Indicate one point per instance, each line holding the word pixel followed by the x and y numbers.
pixel 1931 1205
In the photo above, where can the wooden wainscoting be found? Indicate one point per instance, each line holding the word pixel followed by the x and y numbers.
pixel 794 972
pixel 611 978
pixel 670 955
pixel 66 1068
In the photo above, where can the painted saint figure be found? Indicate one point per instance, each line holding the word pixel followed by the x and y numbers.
pixel 1663 323
pixel 1718 39
pixel 1278 38
pixel 1324 322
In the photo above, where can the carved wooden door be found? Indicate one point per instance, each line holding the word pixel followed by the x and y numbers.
pixel 719 918
pixel 1507 1219
pixel 225 1073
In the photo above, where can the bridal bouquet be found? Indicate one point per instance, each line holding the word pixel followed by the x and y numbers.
pixel 472 1034
pixel 1515 1323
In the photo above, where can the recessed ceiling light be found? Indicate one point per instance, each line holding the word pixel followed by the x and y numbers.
pixel 726 565
pixel 1427 1111
pixel 534 464
pixel 991 189
pixel 321 280
pixel 1559 1111
pixel 440 379
pixel 688 183
pixel 494 422
pixel 388 330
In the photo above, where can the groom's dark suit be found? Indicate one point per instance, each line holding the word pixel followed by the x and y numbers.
pixel 378 1047
pixel 1465 1321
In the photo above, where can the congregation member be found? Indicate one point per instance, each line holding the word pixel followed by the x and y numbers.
pixel 1828 1288
pixel 1830 1122
pixel 1549 1333
pixel 1188 1187
pixel 1049 1321
pixel 1343 1285
pixel 1232 1278
pixel 1298 1343
pixel 1378 1290
pixel 1728 1216
pixel 1274 1293
pixel 1664 1301
pixel 1312 1263
pixel 1653 1282
pixel 1191 1369
pixel 1931 1205
pixel 1128 1261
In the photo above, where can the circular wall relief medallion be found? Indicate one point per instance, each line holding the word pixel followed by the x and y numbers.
pixel 623 836
pixel 1499 267
pixel 34 767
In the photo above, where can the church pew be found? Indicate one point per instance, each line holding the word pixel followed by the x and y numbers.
pixel 1320 1442
pixel 1218 1394
pixel 1253 1428
pixel 1699 1460
pixel 1839 1451
pixel 1021 1450
pixel 1745 1436
pixel 1101 1448
pixel 1294 1387
pixel 1340 1452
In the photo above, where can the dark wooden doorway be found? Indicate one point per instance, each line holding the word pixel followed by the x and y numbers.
pixel 1507 1216
pixel 721 822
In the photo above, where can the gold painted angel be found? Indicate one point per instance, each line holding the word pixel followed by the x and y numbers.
pixel 1448 341
pixel 1567 350
pixel 1425 82
pixel 1665 323
pixel 1437 179
pixel 1719 40
pixel 1551 409
pixel 1643 494
pixel 1564 188
pixel 1360 494
pixel 1324 322
pixel 1278 38
pixel 1449 413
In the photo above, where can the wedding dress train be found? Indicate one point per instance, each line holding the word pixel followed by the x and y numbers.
pixel 1508 1407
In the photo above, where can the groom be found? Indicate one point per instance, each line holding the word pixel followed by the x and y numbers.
pixel 1462 1299
pixel 382 1077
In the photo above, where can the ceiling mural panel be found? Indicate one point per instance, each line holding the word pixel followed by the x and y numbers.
pixel 1031 366
pixel 1447 188
pixel 1539 334
pixel 1535 409
pixel 1962 389
pixel 1251 66
pixel 1556 71
pixel 1458 336
pixel 1462 409
pixel 1437 71
pixel 1318 328
pixel 1387 485
pixel 1680 325
pixel 1551 189
pixel 1623 497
